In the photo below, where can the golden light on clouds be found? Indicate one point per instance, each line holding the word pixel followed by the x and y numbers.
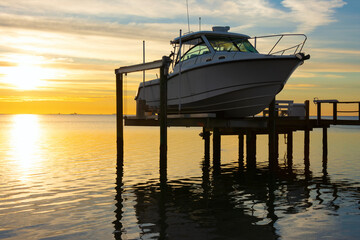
pixel 62 60
pixel 300 86
pixel 27 73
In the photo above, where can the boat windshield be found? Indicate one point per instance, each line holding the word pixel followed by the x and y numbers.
pixel 193 48
pixel 229 44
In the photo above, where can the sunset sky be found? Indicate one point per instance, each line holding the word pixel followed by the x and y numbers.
pixel 59 56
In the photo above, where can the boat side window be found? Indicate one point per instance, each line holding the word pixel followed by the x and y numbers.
pixel 227 44
pixel 244 45
pixel 223 44
pixel 195 51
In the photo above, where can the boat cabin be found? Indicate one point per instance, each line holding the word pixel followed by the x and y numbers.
pixel 203 46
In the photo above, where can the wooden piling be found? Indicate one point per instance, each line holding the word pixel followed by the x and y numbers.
pixel 325 151
pixel 307 135
pixel 216 147
pixel 163 118
pixel 272 133
pixel 318 112
pixel 290 148
pixel 241 150
pixel 276 146
pixel 306 146
pixel 307 113
pixel 206 137
pixel 119 117
pixel 250 149
pixel 325 144
pixel 120 154
pixel 334 112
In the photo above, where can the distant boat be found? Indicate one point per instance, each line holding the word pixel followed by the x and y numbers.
pixel 222 72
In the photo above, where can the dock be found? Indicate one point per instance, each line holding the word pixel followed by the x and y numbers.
pixel 281 117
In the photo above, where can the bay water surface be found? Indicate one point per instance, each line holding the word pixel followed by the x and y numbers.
pixel 59 180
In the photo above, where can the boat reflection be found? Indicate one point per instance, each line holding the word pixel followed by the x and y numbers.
pixel 229 202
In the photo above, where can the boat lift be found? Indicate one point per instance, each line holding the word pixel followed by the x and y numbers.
pixel 271 125
pixel 163 65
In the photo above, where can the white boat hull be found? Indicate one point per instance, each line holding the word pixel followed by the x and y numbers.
pixel 230 89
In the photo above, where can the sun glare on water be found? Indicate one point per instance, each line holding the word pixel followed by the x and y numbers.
pixel 28 73
pixel 24 139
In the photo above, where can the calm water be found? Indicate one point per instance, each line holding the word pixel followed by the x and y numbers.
pixel 58 180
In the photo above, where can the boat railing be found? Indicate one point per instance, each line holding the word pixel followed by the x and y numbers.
pixel 297 47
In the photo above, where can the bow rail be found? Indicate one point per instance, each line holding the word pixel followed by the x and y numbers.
pixel 298 47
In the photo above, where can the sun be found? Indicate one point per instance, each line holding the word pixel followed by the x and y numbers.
pixel 27 74
pixel 25 77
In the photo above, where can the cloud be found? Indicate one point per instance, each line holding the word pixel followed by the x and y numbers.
pixel 7 64
pixel 333 76
pixel 337 51
pixel 68 14
pixel 300 86
pixel 81 26
pixel 317 67
pixel 312 75
pixel 312 13
pixel 95 8
pixel 123 50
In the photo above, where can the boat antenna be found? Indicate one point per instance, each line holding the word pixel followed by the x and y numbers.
pixel 187 9
pixel 199 23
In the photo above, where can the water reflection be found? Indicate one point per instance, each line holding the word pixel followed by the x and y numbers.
pixel 118 198
pixel 25 135
pixel 233 203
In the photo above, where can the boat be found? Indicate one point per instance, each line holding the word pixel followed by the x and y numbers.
pixel 221 72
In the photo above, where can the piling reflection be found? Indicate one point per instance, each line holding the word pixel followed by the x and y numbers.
pixel 229 202
pixel 118 198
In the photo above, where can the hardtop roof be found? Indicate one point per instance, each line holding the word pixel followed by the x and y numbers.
pixel 193 35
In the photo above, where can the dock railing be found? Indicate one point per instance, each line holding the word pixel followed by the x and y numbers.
pixel 335 104
pixel 287 108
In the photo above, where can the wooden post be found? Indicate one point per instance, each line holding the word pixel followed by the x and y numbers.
pixel 307 113
pixel 163 118
pixel 325 148
pixel 119 118
pixel 318 112
pixel 120 154
pixel 216 147
pixel 290 148
pixel 241 150
pixel 272 133
pixel 335 112
pixel 276 147
pixel 307 135
pixel 306 145
pixel 250 150
pixel 206 137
